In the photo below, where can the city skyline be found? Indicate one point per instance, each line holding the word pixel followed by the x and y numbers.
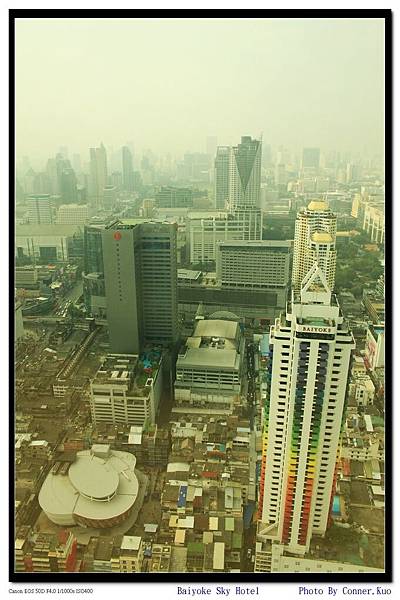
pixel 336 63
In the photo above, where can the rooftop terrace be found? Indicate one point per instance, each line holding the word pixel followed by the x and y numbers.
pixel 134 372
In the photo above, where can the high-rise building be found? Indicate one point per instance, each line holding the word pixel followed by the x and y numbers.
pixel 98 175
pixel 72 214
pixel 210 368
pixel 205 233
pixel 374 220
pixel 68 186
pixel 281 175
pixel 116 180
pixel 41 184
pixel 127 170
pixel 195 168
pixel 132 393
pixel 51 171
pixel 94 293
pixel 245 175
pixel 159 282
pixel 29 181
pixel 221 176
pixel 314 241
pixel 109 197
pixel 174 197
pixel 140 276
pixel 308 369
pixel 40 209
pixel 262 264
pixel 76 163
pixel 310 158
pixel 211 145
pixel 63 150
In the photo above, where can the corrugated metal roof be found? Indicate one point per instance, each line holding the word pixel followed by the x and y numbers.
pixel 213 523
pixel 182 496
pixel 219 556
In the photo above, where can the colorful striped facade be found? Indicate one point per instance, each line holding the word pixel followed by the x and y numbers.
pixel 302 421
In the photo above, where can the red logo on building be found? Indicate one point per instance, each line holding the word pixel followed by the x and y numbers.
pixel 117 236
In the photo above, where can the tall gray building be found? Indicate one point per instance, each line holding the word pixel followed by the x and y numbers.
pixel 140 277
pixel 127 170
pixel 40 209
pixel 238 189
pixel 221 176
pixel 245 175
pixel 310 158
pixel 98 175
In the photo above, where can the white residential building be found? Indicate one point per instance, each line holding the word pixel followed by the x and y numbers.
pixel 308 365
pixel 272 559
pixel 40 210
pixel 262 264
pixel 126 391
pixel 374 221
pixel 314 241
pixel 205 233
pixel 73 214
pixel 375 346
pixel 363 389
pixel 209 369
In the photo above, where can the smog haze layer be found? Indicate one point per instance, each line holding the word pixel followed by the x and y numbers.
pixel 167 84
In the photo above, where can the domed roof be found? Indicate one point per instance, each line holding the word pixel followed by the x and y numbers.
pixel 93 477
pixel 322 237
pixel 318 205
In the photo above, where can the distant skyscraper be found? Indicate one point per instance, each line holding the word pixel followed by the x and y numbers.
pixel 76 163
pixel 310 158
pixel 267 155
pixel 93 271
pixel 245 186
pixel 221 176
pixel 52 174
pixel 245 174
pixel 72 214
pixel 98 175
pixel 141 285
pixel 29 181
pixel 41 184
pixel 116 180
pixel 281 175
pixel 63 150
pixel 211 146
pixel 309 360
pixel 109 197
pixel 40 209
pixel 195 167
pixel 127 170
pixel 68 186
pixel 314 242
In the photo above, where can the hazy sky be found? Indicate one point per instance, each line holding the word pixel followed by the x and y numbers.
pixel 167 84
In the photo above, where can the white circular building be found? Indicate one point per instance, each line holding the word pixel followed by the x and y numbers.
pixel 98 489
